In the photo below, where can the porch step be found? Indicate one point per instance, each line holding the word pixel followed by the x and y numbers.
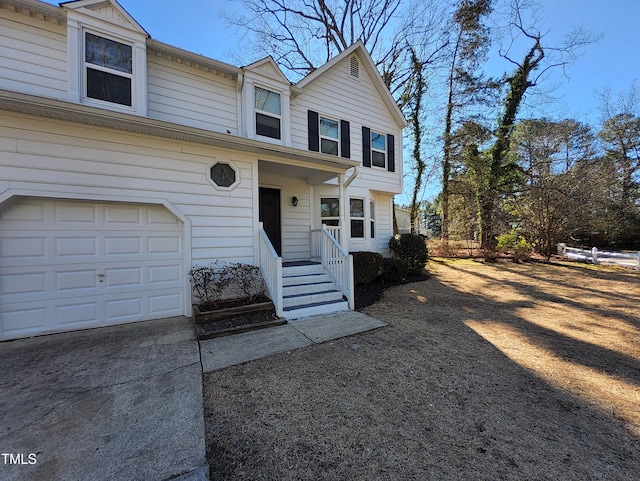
pixel 317 296
pixel 309 290
pixel 291 314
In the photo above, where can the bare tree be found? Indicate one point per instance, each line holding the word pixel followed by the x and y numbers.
pixel 547 153
pixel 302 35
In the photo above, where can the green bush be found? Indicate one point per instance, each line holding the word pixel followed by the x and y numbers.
pixel 366 267
pixel 411 249
pixel 514 242
pixel 393 270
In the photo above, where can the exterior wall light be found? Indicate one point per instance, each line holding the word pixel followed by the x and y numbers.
pixel 294 201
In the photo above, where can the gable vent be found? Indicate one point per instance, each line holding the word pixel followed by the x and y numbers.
pixel 354 67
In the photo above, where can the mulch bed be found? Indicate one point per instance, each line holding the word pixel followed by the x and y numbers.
pixel 365 295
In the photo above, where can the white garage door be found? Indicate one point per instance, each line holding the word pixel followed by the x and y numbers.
pixel 68 265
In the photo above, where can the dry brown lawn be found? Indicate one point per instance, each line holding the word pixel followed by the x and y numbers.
pixel 485 372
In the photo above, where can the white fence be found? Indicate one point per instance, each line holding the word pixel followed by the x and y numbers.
pixel 628 259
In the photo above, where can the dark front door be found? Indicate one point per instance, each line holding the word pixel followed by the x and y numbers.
pixel 270 216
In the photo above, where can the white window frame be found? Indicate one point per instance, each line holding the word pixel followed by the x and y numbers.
pixel 88 65
pixel 332 139
pixel 266 113
pixel 77 26
pixel 381 151
pixel 357 218
pixel 335 220
pixel 372 219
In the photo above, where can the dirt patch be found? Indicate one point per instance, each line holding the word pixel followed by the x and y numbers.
pixel 485 372
pixel 368 294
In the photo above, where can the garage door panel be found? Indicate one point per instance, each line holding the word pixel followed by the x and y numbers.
pixel 123 214
pixel 159 216
pixel 163 304
pixel 20 247
pixel 20 283
pixel 77 315
pixel 75 280
pixel 164 244
pixel 123 246
pixel 162 274
pixel 24 320
pixel 124 277
pixel 72 264
pixel 75 247
pixel 25 211
pixel 123 308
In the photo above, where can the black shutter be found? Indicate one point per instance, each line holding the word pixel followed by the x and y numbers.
pixel 313 124
pixel 366 146
pixel 345 139
pixel 391 153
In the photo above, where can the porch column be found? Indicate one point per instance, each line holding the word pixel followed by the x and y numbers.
pixel 342 202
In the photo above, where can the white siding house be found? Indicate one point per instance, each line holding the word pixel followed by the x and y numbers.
pixel 126 161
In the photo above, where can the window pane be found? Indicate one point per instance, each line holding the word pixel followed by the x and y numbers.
pixel 223 175
pixel 329 207
pixel 109 87
pixel 107 53
pixel 377 159
pixel 357 207
pixel 267 101
pixel 329 128
pixel 329 146
pixel 357 228
pixel 378 141
pixel 372 210
pixel 373 230
pixel 267 126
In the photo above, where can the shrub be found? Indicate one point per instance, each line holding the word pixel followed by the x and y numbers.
pixel 515 243
pixel 393 270
pixel 366 267
pixel 210 284
pixel 411 249
pixel 246 281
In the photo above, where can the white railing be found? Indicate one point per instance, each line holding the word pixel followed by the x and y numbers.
pixel 629 259
pixel 271 268
pixel 316 239
pixel 335 259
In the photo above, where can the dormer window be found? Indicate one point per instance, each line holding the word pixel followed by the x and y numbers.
pixel 108 69
pixel 268 113
pixel 107 63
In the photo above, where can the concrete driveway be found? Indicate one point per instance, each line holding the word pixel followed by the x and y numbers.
pixel 116 403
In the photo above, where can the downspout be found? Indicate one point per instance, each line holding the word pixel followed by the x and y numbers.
pixel 343 221
pixel 343 212
pixel 239 106
pixel 352 178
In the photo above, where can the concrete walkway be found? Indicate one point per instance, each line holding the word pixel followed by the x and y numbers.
pixel 115 403
pixel 227 351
